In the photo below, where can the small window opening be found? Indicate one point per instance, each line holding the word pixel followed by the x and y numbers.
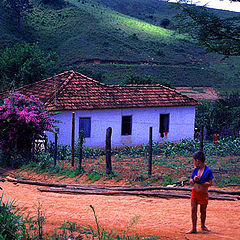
pixel 126 125
pixel 164 124
pixel 85 126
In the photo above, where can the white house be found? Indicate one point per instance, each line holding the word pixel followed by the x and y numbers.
pixel 128 109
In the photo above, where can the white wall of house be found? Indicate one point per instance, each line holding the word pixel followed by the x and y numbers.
pixel 181 125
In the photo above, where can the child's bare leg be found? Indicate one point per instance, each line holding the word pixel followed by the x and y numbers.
pixel 203 211
pixel 194 217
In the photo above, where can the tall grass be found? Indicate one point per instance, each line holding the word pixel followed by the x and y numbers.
pixel 10 220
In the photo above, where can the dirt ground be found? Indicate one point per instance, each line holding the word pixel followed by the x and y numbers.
pixel 199 93
pixel 166 218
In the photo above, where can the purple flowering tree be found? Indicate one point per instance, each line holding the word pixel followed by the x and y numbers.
pixel 22 119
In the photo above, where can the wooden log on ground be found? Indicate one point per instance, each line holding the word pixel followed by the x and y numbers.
pixel 39 183
pixel 129 189
pixel 86 187
pixel 159 188
pixel 104 192
pixel 136 193
pixel 224 192
pixel 10 179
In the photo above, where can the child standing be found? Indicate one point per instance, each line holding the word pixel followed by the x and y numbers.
pixel 201 179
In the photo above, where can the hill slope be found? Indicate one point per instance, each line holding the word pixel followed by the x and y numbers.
pixel 128 32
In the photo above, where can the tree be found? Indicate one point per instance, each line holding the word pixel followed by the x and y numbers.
pixel 222 116
pixel 165 22
pixel 54 3
pixel 221 35
pixel 23 64
pixel 18 8
pixel 22 119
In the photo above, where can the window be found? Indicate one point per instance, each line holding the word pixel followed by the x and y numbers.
pixel 164 124
pixel 126 125
pixel 85 126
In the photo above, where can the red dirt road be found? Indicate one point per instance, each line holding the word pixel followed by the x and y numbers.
pixel 168 219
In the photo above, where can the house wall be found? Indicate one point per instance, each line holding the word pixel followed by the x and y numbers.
pixel 181 125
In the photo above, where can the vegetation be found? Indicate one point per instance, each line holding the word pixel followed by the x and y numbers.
pixel 221 116
pixel 216 33
pixel 136 79
pixel 13 225
pixel 17 8
pixel 120 30
pixel 22 64
pixel 22 120
pixel 171 162
pixel 225 147
pixel 10 220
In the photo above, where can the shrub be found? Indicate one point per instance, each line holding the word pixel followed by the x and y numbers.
pixel 165 22
pixel 22 119
pixel 10 221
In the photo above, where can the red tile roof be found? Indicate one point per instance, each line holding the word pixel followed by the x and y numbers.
pixel 78 92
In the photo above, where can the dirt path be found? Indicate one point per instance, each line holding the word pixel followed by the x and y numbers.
pixel 160 217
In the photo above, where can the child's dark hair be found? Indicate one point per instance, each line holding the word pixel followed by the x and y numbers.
pixel 199 155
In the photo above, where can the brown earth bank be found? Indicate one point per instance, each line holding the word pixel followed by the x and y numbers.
pixel 200 93
pixel 165 218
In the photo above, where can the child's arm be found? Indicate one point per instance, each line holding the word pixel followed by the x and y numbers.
pixel 208 184
pixel 191 181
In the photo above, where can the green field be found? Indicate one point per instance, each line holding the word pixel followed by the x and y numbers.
pixel 121 30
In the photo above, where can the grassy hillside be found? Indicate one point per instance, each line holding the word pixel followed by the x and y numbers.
pixel 127 30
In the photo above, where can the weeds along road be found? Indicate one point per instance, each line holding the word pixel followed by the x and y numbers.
pixel 168 219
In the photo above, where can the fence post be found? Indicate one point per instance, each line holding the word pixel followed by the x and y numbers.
pixel 45 143
pixel 33 147
pixel 73 139
pixel 150 153
pixel 201 137
pixel 108 151
pixel 55 149
pixel 81 133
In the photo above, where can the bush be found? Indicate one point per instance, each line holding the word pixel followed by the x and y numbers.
pixel 22 119
pixel 165 22
pixel 10 221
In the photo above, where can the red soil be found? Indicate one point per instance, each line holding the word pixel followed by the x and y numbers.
pixel 199 93
pixel 168 219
